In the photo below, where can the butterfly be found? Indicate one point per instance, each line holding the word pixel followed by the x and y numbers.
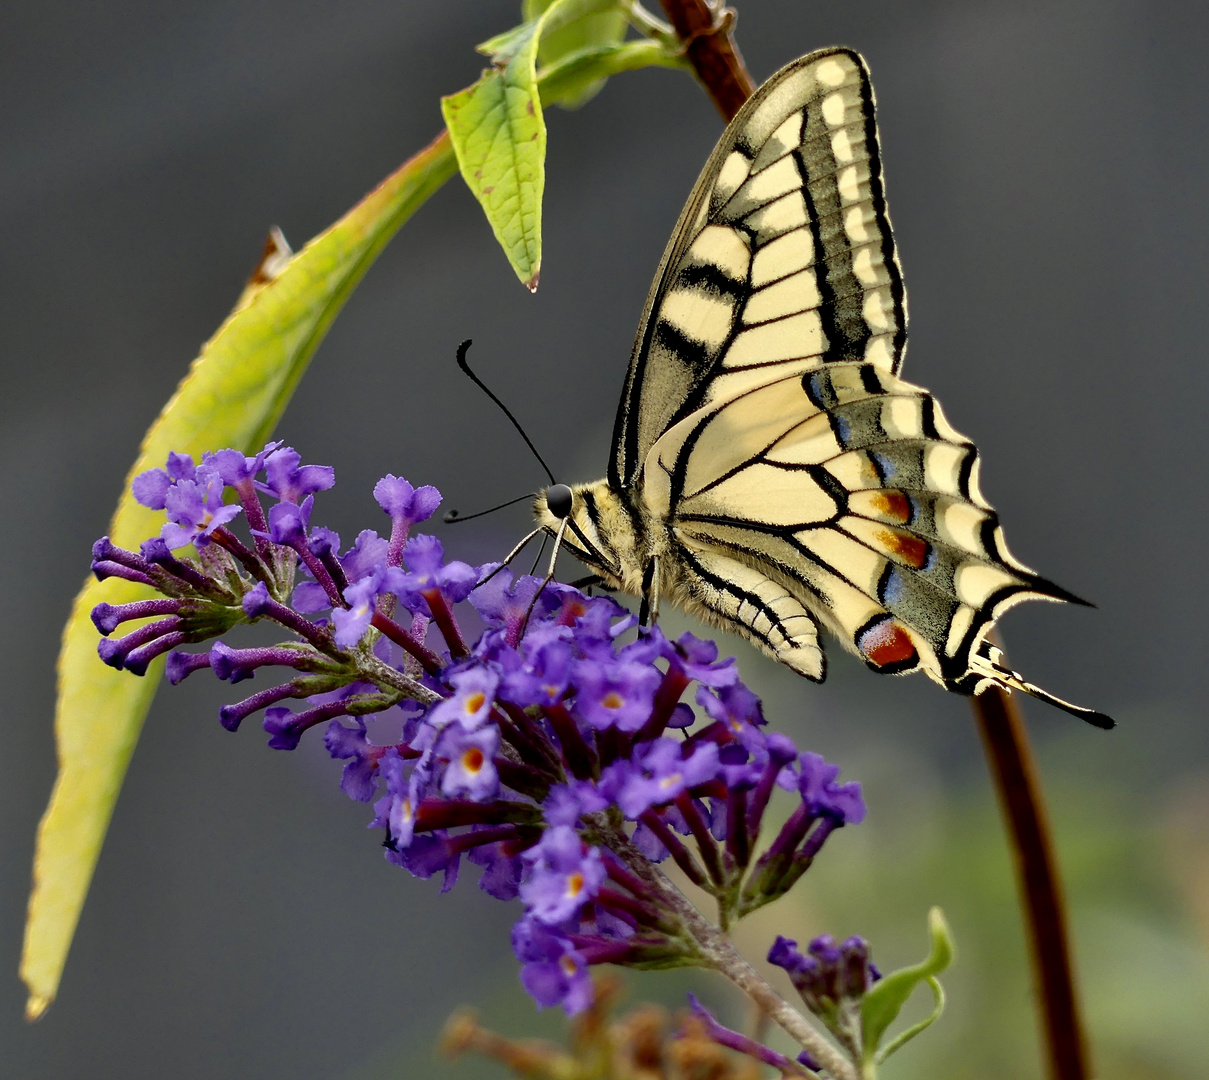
pixel 771 473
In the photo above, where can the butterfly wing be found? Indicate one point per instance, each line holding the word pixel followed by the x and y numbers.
pixel 765 428
pixel 849 490
pixel 783 253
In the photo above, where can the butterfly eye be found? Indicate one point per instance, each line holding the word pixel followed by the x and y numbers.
pixel 559 500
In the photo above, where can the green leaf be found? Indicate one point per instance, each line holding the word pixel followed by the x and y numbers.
pixel 582 24
pixel 883 1002
pixel 233 395
pixel 499 136
pixel 499 132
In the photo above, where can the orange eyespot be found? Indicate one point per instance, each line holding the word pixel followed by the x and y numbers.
pixel 888 645
pixel 893 505
pixel 474 703
pixel 612 700
pixel 575 884
pixel 472 760
pixel 911 549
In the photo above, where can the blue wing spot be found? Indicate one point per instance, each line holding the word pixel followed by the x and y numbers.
pixel 893 587
pixel 884 463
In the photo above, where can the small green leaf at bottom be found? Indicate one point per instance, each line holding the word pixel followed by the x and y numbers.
pixel 885 999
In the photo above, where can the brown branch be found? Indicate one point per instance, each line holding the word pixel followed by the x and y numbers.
pixel 706 29
pixel 1011 761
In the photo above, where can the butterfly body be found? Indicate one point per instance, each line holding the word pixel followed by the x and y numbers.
pixel 771 472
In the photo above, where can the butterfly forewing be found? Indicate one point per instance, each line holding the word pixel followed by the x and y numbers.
pixel 783 256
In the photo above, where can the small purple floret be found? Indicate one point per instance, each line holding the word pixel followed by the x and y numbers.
pixel 291 481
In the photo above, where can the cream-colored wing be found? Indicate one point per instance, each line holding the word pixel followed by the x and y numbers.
pixel 783 256
pixel 847 487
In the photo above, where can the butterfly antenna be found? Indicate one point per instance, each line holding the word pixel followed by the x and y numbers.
pixel 465 366
pixel 452 517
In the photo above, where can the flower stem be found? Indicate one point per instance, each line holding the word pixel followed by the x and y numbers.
pixel 1011 761
pixel 717 952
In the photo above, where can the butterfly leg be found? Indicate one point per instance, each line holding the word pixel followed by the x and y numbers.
pixel 558 543
pixel 590 582
pixel 648 612
pixel 511 555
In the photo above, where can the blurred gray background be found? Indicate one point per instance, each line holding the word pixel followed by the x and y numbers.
pixel 1045 165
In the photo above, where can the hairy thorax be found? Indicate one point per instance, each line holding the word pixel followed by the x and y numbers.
pixel 607 532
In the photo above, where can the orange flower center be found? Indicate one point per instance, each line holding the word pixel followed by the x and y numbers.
pixel 613 700
pixel 475 702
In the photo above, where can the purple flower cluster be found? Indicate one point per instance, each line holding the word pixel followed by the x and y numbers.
pixel 832 979
pixel 555 751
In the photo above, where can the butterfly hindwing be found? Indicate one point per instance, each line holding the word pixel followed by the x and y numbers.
pixel 848 487
pixel 783 255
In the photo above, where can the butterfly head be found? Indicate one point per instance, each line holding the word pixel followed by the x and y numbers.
pixel 598 529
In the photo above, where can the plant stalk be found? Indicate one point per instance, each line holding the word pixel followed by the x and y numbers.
pixel 1014 769
pixel 705 30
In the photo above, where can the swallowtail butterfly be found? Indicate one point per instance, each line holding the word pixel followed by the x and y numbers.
pixel 771 473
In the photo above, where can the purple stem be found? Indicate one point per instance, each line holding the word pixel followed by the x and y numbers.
pixel 817 838
pixel 666 697
pixel 792 833
pixel 225 538
pixel 107 617
pixel 399 528
pixel 618 872
pixel 706 843
pixel 527 728
pixel 761 795
pixel 290 619
pixel 183 664
pixel 738 840
pixel 253 513
pixel 392 630
pixel 285 735
pixel 106 568
pixel 441 813
pixel 320 573
pixel 579 756
pixel 678 851
pixel 615 901
pixel 332 565
pixel 596 951
pixel 523 778
pixel 138 659
pixel 443 617
pixel 157 554
pixel 231 716
pixel 733 1040
pixel 115 651
pixel 236 664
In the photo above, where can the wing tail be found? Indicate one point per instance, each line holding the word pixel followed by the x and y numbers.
pixel 988 663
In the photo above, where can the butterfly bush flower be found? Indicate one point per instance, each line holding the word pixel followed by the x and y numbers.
pixel 555 751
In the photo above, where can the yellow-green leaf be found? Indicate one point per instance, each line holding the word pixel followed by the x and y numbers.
pixel 233 395
pixel 499 136
pixel 581 24
pixel 888 995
